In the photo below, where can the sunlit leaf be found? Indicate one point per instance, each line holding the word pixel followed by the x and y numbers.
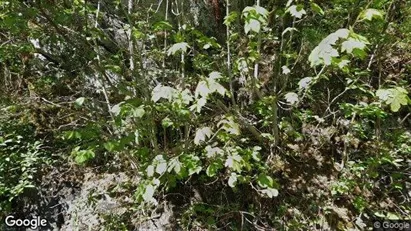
pixel 286 70
pixel 304 82
pixel 252 25
pixel 291 98
pixel 79 101
pixel 351 44
pixel 202 134
pixel 395 97
pixel 177 47
pixel 316 8
pixel 370 14
pixel 148 193
pixel 270 192
pixel 150 170
pixel 296 11
pixel 164 92
pixel 232 180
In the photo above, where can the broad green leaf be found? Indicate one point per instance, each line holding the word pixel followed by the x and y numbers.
pixel 230 126
pixel 175 165
pixel 177 47
pixel 202 134
pixel 395 97
pixel 216 87
pixel 291 98
pixel 161 167
pixel 83 156
pixel 234 162
pixel 214 75
pixel 212 151
pixel 116 109
pixel 370 14
pixel 297 11
pixel 232 17
pixel 166 122
pixel 322 54
pixel 162 25
pixel 164 92
pixel 325 52
pixel 197 106
pixel 316 8
pixel 161 164
pixel 109 146
pixel 150 171
pixel 252 25
pixel 304 82
pixel 265 181
pixel 270 192
pixel 148 193
pixel 392 216
pixel 288 29
pixel 261 11
pixel 286 70
pixel 202 89
pixel 186 97
pixel 138 112
pixel 350 44
pixel 343 63
pixel 232 180
pixel 213 168
pixel 79 101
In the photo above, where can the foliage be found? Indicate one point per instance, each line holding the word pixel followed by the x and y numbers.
pixel 280 115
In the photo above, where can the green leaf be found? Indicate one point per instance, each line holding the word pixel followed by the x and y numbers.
pixel 351 44
pixel 304 82
pixel 161 167
pixel 138 112
pixel 164 92
pixel 162 25
pixel 286 70
pixel 202 134
pixel 252 25
pixel 325 52
pixel 150 171
pixel 161 164
pixel 395 97
pixel 232 17
pixel 79 101
pixel 216 87
pixel 202 89
pixel 82 156
pixel 234 162
pixel 212 151
pixel 261 11
pixel 270 192
pixel 316 8
pixel 177 47
pixel 213 168
pixel 116 109
pixel 175 165
pixel 110 146
pixel 148 193
pixel 166 122
pixel 232 180
pixel 291 98
pixel 265 181
pixel 288 29
pixel 296 11
pixel 370 14
pixel 230 126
